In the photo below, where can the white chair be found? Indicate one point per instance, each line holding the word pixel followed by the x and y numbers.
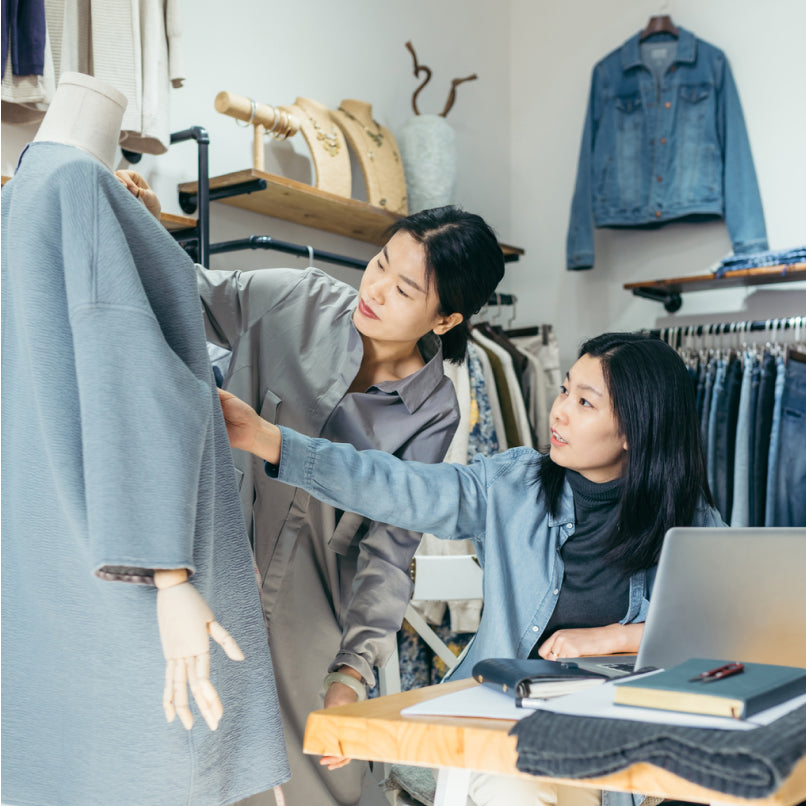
pixel 441 579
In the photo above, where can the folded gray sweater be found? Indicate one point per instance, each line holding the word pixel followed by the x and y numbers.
pixel 744 763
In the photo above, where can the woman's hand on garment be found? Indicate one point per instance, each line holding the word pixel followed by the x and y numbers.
pixel 140 189
pixel 248 431
pixel 606 640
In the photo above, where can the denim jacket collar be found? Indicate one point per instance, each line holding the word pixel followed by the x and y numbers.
pixel 631 49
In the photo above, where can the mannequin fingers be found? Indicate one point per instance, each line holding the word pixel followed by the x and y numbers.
pixel 203 690
pixel 180 696
pixel 228 643
pixel 168 691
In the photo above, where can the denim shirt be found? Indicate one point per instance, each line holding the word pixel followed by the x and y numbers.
pixel 664 144
pixel 494 501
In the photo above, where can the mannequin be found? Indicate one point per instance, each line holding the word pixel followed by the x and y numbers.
pixel 84 321
pixel 86 113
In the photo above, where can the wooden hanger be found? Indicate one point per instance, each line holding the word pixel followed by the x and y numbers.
pixel 659 24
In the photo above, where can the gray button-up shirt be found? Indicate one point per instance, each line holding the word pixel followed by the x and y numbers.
pixel 295 352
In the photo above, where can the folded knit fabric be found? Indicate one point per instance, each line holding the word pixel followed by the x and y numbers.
pixel 744 763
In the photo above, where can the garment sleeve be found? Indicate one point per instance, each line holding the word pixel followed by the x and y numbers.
pixel 144 415
pixel 579 245
pixel 233 301
pixel 381 588
pixel 450 501
pixel 744 215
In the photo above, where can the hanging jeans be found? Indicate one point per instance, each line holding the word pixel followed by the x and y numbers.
pixel 775 430
pixel 761 440
pixel 714 402
pixel 745 431
pixel 710 374
pixel 725 438
pixel 790 492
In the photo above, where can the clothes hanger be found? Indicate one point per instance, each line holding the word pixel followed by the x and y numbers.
pixel 660 23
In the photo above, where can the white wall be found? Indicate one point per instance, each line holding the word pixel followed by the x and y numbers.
pixel 276 51
pixel 518 129
pixel 554 48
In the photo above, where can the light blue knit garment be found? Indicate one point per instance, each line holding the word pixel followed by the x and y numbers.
pixel 114 454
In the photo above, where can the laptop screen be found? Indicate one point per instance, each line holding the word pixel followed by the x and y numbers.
pixel 733 594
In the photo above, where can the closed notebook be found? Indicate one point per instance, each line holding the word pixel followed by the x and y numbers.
pixel 758 687
pixel 534 677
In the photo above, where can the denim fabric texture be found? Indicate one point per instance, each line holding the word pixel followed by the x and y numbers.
pixel 664 144
pixel 775 430
pixel 761 440
pixel 790 491
pixel 725 438
pixel 717 392
pixel 772 257
pixel 705 417
pixel 740 512
pixel 495 501
pixel 699 387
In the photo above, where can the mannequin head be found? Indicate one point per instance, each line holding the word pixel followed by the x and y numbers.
pixel 86 113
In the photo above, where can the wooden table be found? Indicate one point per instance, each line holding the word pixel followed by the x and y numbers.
pixel 375 731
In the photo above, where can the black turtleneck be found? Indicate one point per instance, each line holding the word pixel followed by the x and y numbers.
pixel 593 593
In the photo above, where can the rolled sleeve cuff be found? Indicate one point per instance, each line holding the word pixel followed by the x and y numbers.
pixel 354 662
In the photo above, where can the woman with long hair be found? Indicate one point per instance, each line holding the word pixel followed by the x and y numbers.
pixel 569 541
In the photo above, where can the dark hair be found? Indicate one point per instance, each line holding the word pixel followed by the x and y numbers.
pixel 664 478
pixel 465 260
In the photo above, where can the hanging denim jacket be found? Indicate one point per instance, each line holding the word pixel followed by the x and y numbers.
pixel 664 139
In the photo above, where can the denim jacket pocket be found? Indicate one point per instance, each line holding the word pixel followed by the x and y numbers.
pixel 698 152
pixel 270 406
pixel 629 111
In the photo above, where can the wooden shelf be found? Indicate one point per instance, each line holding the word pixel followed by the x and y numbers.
pixel 668 291
pixel 289 200
pixel 173 223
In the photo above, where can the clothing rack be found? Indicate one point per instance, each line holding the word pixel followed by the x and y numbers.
pixel 267 242
pixel 675 335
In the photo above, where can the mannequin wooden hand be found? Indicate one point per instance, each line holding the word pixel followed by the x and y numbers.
pixel 186 624
pixel 140 189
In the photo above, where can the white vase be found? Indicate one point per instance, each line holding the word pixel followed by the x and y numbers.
pixel 428 149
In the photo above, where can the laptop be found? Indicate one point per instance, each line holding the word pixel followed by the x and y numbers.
pixel 733 594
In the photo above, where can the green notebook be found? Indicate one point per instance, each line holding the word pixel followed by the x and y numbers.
pixel 758 687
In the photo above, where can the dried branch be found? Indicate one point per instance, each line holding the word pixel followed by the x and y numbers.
pixel 452 96
pixel 418 68
pixel 421 68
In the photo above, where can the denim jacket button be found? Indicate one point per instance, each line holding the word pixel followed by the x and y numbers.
pixel 535 629
pixel 668 104
pixel 556 591
pixel 569 525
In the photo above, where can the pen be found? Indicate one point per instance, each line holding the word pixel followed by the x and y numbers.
pixel 717 674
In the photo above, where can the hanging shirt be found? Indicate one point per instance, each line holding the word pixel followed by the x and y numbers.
pixel 115 462
pixel 664 144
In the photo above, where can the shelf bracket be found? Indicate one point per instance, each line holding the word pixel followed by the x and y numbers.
pixel 672 301
pixel 188 201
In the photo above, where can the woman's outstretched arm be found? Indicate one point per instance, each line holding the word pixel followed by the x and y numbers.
pixel 450 501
